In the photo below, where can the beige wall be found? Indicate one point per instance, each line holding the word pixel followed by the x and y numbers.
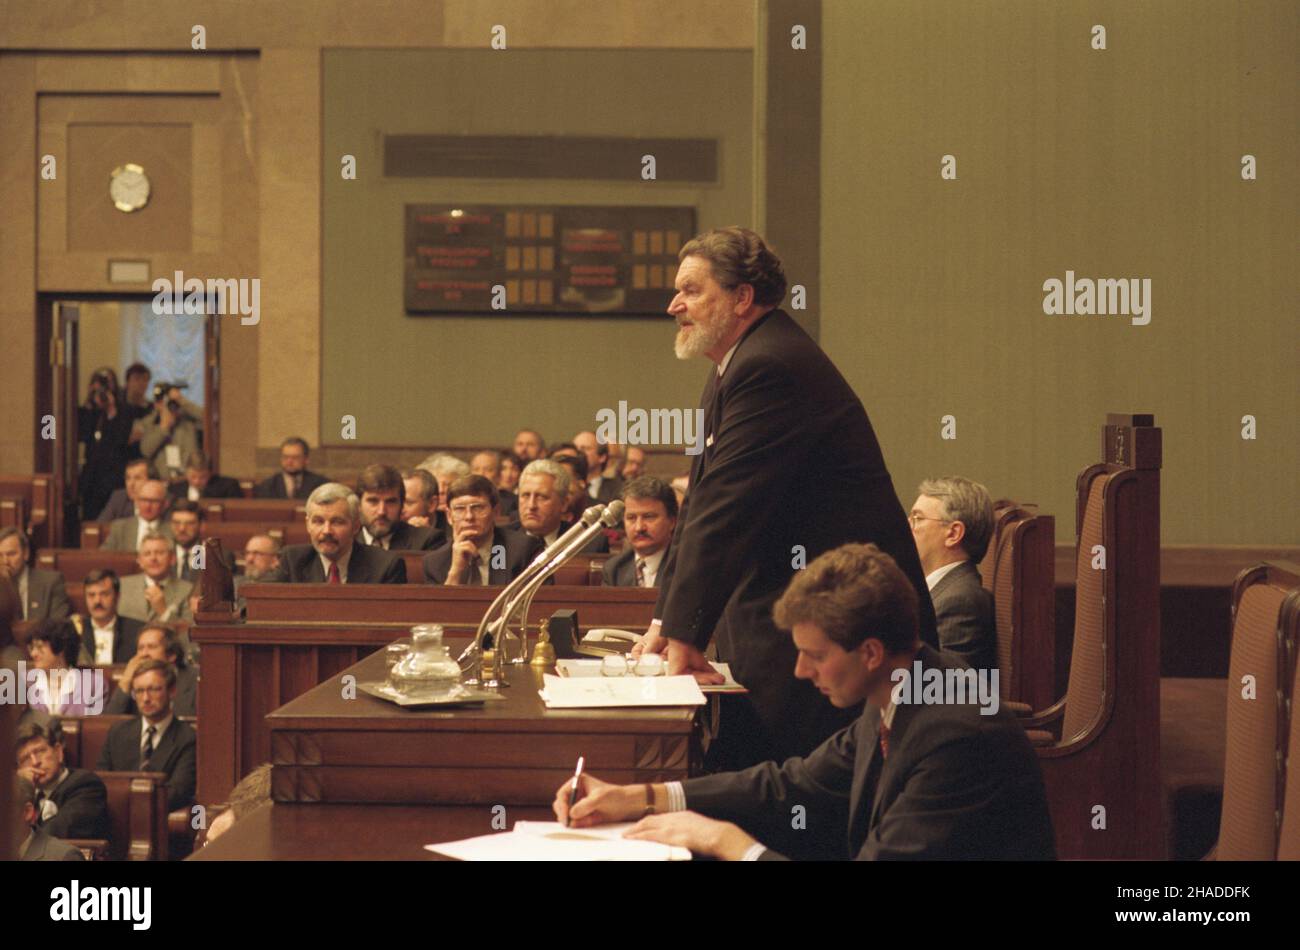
pixel 1113 163
pixel 430 379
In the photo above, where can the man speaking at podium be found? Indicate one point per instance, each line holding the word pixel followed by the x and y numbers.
pixel 790 468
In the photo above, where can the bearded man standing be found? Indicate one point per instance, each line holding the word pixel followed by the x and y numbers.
pixel 775 410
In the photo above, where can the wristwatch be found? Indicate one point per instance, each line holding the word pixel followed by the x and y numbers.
pixel 649 800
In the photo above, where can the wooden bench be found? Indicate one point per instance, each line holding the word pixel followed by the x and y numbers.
pixel 233 534
pixel 43 516
pixel 1099 746
pixel 137 813
pixel 260 510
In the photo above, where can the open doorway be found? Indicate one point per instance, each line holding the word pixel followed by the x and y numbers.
pixel 125 383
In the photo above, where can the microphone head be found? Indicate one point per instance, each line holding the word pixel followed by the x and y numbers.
pixel 613 516
pixel 592 515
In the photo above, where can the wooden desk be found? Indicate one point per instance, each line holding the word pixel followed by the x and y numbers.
pixel 355 832
pixel 299 635
pixel 339 745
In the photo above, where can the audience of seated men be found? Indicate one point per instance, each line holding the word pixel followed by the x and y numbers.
pixel 544 490
pixel 294 480
pixel 334 555
pixel 158 642
pixel 121 503
pixel 70 803
pixel 529 445
pixel 909 779
pixel 952 522
pixel 106 637
pixel 41 593
pixel 156 741
pixel 125 534
pixel 170 433
pixel 61 689
pixel 200 482
pixel 633 463
pixel 649 517
pixel 382 491
pixel 34 842
pixel 488 464
pixel 155 594
pixel 480 552
pixel 601 488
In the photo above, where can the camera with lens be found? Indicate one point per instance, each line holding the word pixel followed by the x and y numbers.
pixel 101 384
pixel 162 389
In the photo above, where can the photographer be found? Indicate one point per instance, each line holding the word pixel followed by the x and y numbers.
pixel 171 432
pixel 104 425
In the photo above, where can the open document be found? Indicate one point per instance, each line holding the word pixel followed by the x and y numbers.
pixel 584 667
pixel 587 692
pixel 551 841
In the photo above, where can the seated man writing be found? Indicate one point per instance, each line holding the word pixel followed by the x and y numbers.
pixel 923 774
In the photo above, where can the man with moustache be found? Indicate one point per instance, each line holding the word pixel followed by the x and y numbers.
pixel 294 480
pixel 649 517
pixel 383 495
pixel 775 407
pixel 106 638
pixel 334 556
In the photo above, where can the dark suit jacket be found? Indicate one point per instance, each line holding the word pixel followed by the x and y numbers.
pixel 119 506
pixel 174 754
pixel 620 570
pixel 124 644
pixel 45 847
pixel 509 505
pixel 47 597
pixel 967 623
pixel 956 785
pixel 794 466
pixel 273 487
pixel 83 807
pixel 300 564
pixel 186 703
pixel 218 486
pixel 408 538
pixel 520 549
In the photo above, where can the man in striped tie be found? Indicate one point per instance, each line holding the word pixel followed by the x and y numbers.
pixel 649 518
pixel 154 741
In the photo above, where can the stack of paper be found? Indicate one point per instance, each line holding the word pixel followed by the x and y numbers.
pixel 562 692
pixel 583 667
pixel 551 841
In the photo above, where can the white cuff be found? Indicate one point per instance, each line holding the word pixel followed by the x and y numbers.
pixel 676 797
pixel 754 853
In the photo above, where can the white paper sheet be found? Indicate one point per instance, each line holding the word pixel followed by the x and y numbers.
pixel 562 692
pixel 551 841
pixel 583 667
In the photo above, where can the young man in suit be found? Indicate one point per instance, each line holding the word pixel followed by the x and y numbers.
pixel 923 773
pixel 156 593
pixel 35 843
pixel 952 522
pixel 158 642
pixel 334 556
pixel 41 594
pixel 200 481
pixel 294 480
pixel 70 803
pixel 124 534
pixel 481 553
pixel 383 495
pixel 774 409
pixel 649 518
pixel 121 504
pixel 157 741
pixel 106 638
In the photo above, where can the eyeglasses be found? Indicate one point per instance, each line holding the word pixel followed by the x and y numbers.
pixel 915 518
pixel 462 511
pixel 149 691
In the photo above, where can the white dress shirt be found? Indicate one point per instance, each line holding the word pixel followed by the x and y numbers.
pixel 342 562
pixel 939 573
pixel 144 527
pixel 159 729
pixel 652 564
pixel 104 637
pixel 368 539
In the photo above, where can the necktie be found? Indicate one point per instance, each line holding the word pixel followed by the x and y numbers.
pixel 334 574
pixel 884 740
pixel 148 747
pixel 640 572
pixel 472 576
pixel 377 541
